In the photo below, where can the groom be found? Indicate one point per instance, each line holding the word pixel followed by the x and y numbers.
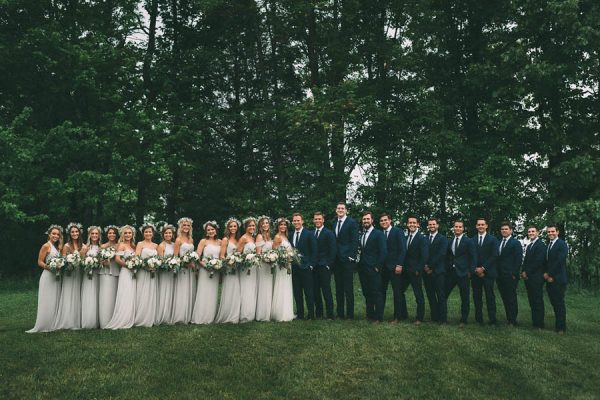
pixel 302 277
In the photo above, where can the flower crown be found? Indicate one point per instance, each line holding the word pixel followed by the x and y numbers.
pixel 282 219
pixel 74 225
pixel 248 219
pixel 185 219
pixel 109 227
pixel 91 228
pixel 52 227
pixel 261 217
pixel 147 225
pixel 212 222
pixel 122 229
pixel 162 226
pixel 233 219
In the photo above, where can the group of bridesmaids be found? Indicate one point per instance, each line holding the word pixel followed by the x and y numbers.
pixel 113 298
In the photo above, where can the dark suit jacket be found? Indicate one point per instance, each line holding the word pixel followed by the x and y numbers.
pixel 417 253
pixel 487 254
pixel 373 254
pixel 465 259
pixel 326 248
pixel 535 258
pixel 396 248
pixel 509 261
pixel 556 263
pixel 437 253
pixel 347 240
pixel 307 247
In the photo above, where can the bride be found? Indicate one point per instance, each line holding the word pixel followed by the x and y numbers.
pixel 282 307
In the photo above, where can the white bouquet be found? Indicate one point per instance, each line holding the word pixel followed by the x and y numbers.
pixel 152 264
pixel 270 257
pixel 91 263
pixel 133 264
pixel 72 262
pixel 191 257
pixel 249 260
pixel 233 261
pixel 173 264
pixel 55 265
pixel 212 265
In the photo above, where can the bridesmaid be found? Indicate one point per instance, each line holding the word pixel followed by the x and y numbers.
pixel 89 287
pixel 248 278
pixel 205 307
pixel 146 284
pixel 185 281
pixel 264 243
pixel 124 314
pixel 49 288
pixel 109 279
pixel 229 307
pixel 166 279
pixel 69 305
pixel 282 308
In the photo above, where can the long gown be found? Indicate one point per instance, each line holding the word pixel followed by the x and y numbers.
pixel 48 296
pixel 185 283
pixel 264 286
pixel 248 285
pixel 146 289
pixel 207 295
pixel 124 314
pixel 109 282
pixel 229 307
pixel 282 308
pixel 68 315
pixel 166 284
pixel 89 295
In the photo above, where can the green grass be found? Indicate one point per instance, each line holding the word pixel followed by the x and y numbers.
pixel 303 359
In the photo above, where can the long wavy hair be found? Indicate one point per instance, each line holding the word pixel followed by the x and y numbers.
pixel 60 239
pixel 90 230
pixel 266 234
pixel 79 239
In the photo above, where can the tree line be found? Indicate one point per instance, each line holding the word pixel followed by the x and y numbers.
pixel 125 110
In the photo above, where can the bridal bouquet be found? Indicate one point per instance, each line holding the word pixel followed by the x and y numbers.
pixel 191 257
pixel 172 263
pixel 133 264
pixel 270 257
pixel 232 261
pixel 72 262
pixel 91 263
pixel 212 265
pixel 152 264
pixel 287 257
pixel 105 255
pixel 55 265
pixel 249 260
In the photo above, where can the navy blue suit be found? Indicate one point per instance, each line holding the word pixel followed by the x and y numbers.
pixel 460 264
pixel 345 261
pixel 396 251
pixel 435 281
pixel 372 260
pixel 326 253
pixel 487 255
pixel 509 264
pixel 417 254
pixel 533 265
pixel 556 268
pixel 302 277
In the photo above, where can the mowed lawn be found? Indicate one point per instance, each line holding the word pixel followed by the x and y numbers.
pixel 304 359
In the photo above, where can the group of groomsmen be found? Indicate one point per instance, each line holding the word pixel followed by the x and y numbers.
pixel 386 256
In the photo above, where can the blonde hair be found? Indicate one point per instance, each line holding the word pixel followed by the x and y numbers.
pixel 122 237
pixel 266 236
pixel 181 221
pixel 90 230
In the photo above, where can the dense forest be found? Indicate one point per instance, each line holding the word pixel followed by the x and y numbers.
pixel 118 111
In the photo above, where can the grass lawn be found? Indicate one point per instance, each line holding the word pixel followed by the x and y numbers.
pixel 303 359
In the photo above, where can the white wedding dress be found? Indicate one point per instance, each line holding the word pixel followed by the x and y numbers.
pixel 282 308
pixel 248 289
pixel 264 287
pixel 166 286
pixel 185 285
pixel 146 289
pixel 124 314
pixel 229 307
pixel 207 295
pixel 89 295
pixel 48 296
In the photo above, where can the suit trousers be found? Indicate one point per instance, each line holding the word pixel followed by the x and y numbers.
pixel 322 291
pixel 556 293
pixel 415 280
pixel 535 293
pixel 388 277
pixel 480 285
pixel 435 287
pixel 302 284
pixel 343 273
pixel 453 280
pixel 370 282
pixel 507 286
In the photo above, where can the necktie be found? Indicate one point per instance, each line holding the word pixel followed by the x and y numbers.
pixel 430 239
pixel 386 233
pixel 296 238
pixel 364 238
pixel 317 233
pixel 549 248
pixel 503 244
pixel 455 244
pixel 337 229
pixel 480 240
pixel 410 238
